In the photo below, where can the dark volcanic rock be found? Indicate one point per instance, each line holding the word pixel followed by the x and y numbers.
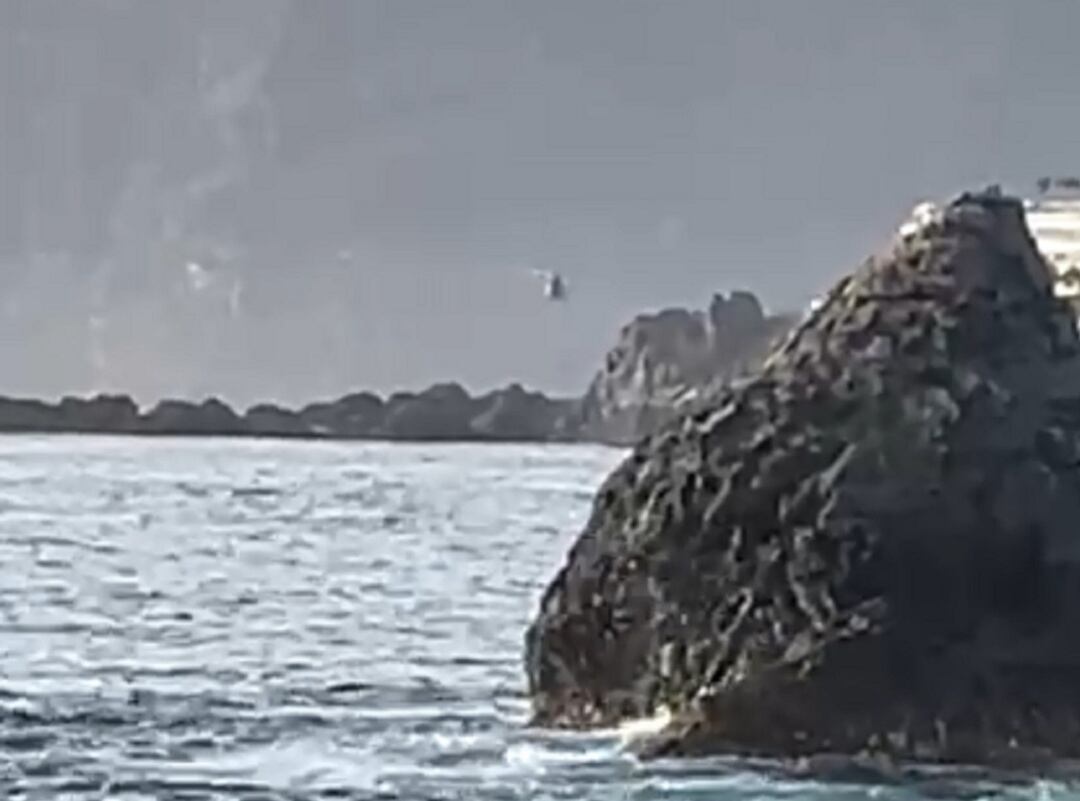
pixel 211 417
pixel 870 545
pixel 664 360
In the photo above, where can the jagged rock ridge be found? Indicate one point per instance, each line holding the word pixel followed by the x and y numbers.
pixel 868 546
pixel 665 359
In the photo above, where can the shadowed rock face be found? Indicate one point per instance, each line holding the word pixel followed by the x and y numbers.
pixel 662 360
pixel 869 545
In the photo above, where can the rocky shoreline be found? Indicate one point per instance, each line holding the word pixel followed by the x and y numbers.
pixel 659 362
pixel 868 547
pixel 444 412
pixel 665 360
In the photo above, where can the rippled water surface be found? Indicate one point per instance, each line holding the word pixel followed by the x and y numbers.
pixel 212 619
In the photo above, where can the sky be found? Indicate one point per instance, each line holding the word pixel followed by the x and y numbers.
pixel 653 152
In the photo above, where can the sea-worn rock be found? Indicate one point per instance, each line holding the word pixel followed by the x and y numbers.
pixel 662 360
pixel 871 545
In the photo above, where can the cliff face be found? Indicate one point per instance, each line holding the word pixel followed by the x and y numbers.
pixel 870 545
pixel 666 359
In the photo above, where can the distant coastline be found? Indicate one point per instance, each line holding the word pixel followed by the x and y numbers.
pixel 443 412
pixel 659 362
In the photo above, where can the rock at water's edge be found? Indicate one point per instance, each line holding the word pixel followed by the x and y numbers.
pixel 870 545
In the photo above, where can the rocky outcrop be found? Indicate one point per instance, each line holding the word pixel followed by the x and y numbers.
pixel 115 413
pixel 514 413
pixel 19 414
pixel 271 420
pixel 209 418
pixel 665 359
pixel 353 416
pixel 104 412
pixel 448 412
pixel 869 545
pixel 440 413
pixel 443 411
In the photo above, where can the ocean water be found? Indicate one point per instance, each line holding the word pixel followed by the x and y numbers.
pixel 213 619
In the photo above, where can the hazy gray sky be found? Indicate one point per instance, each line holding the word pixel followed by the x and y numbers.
pixel 654 152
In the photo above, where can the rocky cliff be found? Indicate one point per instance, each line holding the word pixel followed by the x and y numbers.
pixel 870 545
pixel 663 360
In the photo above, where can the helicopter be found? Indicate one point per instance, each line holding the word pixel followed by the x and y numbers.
pixel 1047 183
pixel 554 284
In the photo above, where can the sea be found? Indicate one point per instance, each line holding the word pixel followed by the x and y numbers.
pixel 193 619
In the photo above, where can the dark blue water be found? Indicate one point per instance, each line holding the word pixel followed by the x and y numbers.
pixel 254 620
